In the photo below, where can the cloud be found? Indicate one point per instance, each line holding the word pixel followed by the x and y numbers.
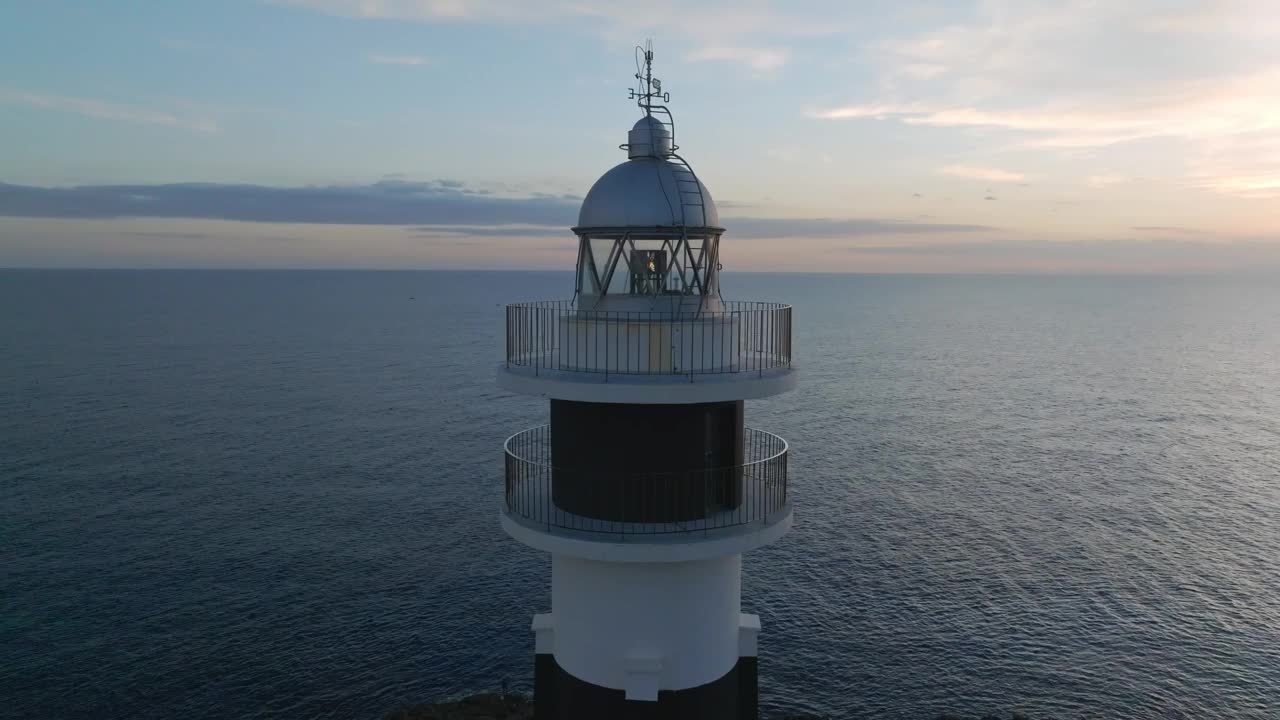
pixel 202 236
pixel 743 227
pixel 421 10
pixel 383 59
pixel 1017 67
pixel 727 17
pixel 1192 111
pixel 674 21
pixel 167 235
pixel 1246 164
pixel 1246 18
pixel 982 173
pixel 103 110
pixel 388 202
pixel 756 227
pixel 1101 181
pixel 437 207
pixel 494 231
pixel 758 59
pixel 1168 229
pixel 922 71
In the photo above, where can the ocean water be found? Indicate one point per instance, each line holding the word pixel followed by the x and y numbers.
pixel 275 494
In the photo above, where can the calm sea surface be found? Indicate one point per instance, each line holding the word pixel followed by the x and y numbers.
pixel 275 494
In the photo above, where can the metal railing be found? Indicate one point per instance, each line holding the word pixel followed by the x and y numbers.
pixel 659 503
pixel 743 337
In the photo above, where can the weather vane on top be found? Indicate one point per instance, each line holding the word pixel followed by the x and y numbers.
pixel 648 87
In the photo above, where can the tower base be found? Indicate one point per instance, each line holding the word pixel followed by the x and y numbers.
pixel 557 695
pixel 560 695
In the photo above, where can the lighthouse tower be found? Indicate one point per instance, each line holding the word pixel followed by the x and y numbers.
pixel 646 487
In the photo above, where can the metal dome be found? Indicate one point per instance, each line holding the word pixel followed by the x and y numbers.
pixel 647 192
pixel 649 138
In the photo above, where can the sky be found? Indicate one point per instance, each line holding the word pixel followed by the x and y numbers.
pixel 839 136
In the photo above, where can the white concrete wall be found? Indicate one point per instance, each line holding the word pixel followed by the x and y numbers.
pixel 642 627
pixel 675 304
pixel 621 345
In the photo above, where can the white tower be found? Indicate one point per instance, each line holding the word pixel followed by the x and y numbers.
pixel 646 488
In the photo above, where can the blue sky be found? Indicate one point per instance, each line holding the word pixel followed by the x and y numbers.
pixel 877 136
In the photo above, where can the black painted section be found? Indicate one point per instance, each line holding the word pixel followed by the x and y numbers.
pixel 734 696
pixel 646 463
pixel 545 680
pixel 748 688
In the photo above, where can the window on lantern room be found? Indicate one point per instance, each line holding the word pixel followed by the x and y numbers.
pixel 593 264
pixel 643 266
pixel 649 272
pixel 697 264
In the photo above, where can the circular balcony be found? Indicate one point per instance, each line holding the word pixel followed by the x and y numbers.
pixel 614 505
pixel 556 349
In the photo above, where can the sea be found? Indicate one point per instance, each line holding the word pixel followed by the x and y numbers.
pixel 265 494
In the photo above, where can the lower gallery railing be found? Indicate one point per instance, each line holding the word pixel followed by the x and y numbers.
pixel 622 503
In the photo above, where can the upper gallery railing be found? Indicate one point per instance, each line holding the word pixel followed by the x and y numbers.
pixel 742 337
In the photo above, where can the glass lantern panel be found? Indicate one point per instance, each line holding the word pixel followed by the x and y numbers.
pixel 592 265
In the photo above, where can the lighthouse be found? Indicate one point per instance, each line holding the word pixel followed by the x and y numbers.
pixel 647 486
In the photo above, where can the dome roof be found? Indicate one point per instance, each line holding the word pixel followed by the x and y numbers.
pixel 647 192
pixel 649 122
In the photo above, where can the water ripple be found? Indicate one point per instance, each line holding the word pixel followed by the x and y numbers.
pixel 274 495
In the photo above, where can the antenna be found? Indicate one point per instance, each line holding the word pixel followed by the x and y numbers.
pixel 648 88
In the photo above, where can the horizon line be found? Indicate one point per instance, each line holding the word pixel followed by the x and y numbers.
pixel 943 273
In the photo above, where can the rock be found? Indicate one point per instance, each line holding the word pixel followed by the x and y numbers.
pixel 494 706
pixel 489 706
